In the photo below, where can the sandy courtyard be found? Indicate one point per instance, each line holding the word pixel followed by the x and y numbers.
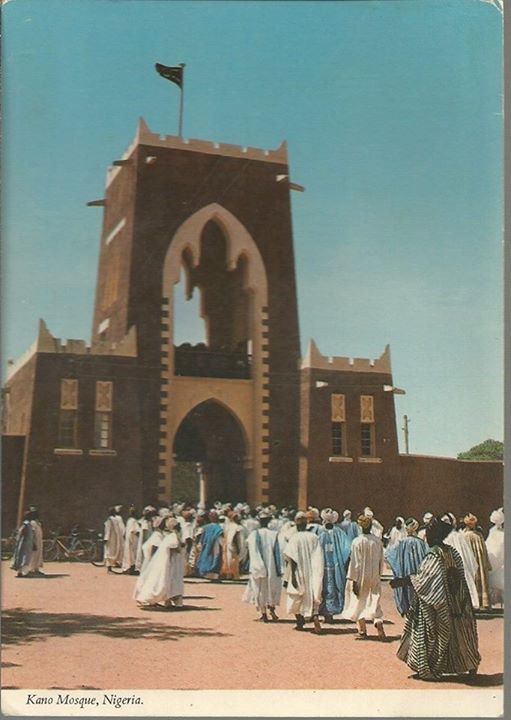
pixel 79 628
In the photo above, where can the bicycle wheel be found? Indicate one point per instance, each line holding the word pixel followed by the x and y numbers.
pixel 84 551
pixel 50 551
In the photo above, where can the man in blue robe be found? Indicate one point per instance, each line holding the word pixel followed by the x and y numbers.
pixel 24 548
pixel 404 560
pixel 351 528
pixel 210 559
pixel 336 552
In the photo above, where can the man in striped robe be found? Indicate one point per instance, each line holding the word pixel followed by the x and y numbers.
pixel 440 634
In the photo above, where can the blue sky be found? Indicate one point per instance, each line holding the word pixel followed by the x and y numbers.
pixel 393 114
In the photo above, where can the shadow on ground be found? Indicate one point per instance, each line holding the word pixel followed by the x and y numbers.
pixel 45 576
pixel 20 626
pixel 493 680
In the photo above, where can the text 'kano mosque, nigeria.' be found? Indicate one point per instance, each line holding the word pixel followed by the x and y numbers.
pixel 136 418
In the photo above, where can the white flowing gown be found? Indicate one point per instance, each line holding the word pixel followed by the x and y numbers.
pixel 366 564
pixel 459 542
pixel 264 585
pixel 304 549
pixel 162 578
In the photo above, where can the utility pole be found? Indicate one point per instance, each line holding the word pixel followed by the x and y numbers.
pixel 407 421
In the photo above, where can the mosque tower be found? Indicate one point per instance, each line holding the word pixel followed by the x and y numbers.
pixel 218 216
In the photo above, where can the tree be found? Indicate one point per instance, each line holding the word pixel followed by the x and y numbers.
pixel 487 450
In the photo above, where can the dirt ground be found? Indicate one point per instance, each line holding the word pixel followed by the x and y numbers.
pixel 79 628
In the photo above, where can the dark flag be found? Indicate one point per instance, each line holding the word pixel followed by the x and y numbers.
pixel 174 74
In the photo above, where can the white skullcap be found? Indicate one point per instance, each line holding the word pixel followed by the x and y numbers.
pixel 497 517
pixel 164 512
pixel 449 518
pixel 149 508
pixel 117 508
pixel 329 516
pixel 300 515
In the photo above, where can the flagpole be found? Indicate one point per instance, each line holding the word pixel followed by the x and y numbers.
pixel 181 97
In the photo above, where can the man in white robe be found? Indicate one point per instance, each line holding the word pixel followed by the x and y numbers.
pixel 145 531
pixel 303 577
pixel 132 532
pixel 265 582
pixel 113 538
pixel 495 547
pixel 363 589
pixel 161 582
pixel 376 526
pixel 459 542
pixel 428 516
pixel 233 546
pixel 187 523
pixel 36 561
pixel 396 533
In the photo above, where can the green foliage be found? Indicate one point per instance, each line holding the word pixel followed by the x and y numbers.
pixel 487 450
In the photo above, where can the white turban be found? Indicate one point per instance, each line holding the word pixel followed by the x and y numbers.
pixel 346 514
pixel 368 512
pixel 450 519
pixel 497 517
pixel 427 517
pixel 329 516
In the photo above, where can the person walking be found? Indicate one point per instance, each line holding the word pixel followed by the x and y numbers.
pixel 303 577
pixel 440 634
pixel 363 590
pixel 265 571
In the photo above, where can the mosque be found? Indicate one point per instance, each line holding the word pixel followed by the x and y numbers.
pixel 135 417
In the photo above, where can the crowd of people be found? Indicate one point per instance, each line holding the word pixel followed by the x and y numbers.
pixel 444 571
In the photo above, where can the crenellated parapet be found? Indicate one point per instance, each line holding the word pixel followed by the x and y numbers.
pixel 144 136
pixel 45 342
pixel 314 359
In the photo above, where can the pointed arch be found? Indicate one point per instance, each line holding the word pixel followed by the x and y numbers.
pixel 238 239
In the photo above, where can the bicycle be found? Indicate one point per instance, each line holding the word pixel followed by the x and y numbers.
pixel 8 545
pixel 69 547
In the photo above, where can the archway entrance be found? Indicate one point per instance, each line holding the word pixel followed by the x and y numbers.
pixel 209 444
